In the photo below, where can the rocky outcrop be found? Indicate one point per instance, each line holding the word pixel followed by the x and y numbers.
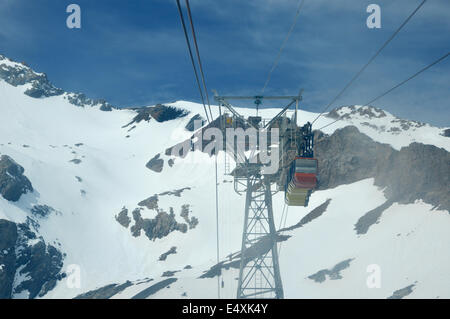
pixel 160 112
pixel 163 223
pixel 347 156
pixel 169 273
pixel 8 239
pixel 13 184
pixel 401 293
pixel 43 211
pixel 371 112
pixel 195 120
pixel 40 87
pixel 175 192
pixel 415 172
pixel 19 74
pixel 122 218
pixel 29 266
pixel 191 221
pixel 150 203
pixel 171 251
pixel 346 112
pixel 79 99
pixel 160 226
pixel 156 164
pixel 446 132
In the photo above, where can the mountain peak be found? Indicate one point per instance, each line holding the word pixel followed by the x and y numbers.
pixel 346 112
pixel 37 84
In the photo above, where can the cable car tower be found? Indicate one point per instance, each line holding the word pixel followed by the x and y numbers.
pixel 259 272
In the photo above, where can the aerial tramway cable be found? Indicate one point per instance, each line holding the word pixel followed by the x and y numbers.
pixel 194 37
pixel 192 58
pixel 370 61
pixel 209 117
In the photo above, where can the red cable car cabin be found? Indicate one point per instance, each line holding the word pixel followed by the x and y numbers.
pixel 305 173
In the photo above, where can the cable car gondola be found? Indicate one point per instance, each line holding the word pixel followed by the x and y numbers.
pixel 301 180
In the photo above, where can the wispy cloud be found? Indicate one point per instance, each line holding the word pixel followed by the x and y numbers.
pixel 133 53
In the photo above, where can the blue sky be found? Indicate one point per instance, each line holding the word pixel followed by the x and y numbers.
pixel 133 53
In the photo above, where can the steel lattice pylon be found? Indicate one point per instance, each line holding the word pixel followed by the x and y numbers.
pixel 259 273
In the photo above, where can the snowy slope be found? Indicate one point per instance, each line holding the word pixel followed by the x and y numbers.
pixel 45 135
pixel 409 245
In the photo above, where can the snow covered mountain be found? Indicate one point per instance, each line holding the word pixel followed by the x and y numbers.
pixel 88 191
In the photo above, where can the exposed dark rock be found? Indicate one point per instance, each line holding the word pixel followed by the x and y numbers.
pixel 13 184
pixel 75 161
pixel 370 218
pixel 79 99
pixel 79 179
pixel 446 132
pixel 368 111
pixel 43 211
pixel 347 156
pixel 123 219
pixel 8 238
pixel 417 171
pixel 21 74
pixel 190 126
pixel 40 264
pixel 333 274
pixel 159 112
pixel 105 292
pixel 160 226
pixel 172 250
pixel 41 87
pixel 136 228
pixel 169 273
pixel 187 267
pixel 146 280
pixel 399 294
pixel 193 221
pixel 154 288
pixel 171 162
pixel 156 164
pixel 150 203
pixel 176 192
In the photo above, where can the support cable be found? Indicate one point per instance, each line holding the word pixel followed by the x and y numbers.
pixel 198 57
pixel 209 117
pixel 396 86
pixel 275 63
pixel 192 58
pixel 370 61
